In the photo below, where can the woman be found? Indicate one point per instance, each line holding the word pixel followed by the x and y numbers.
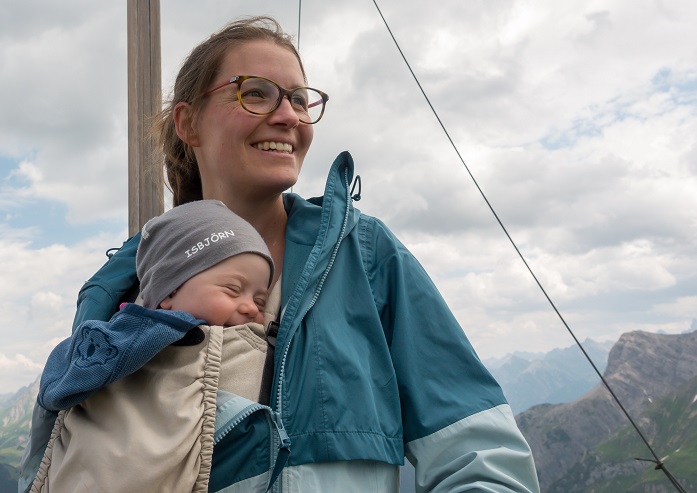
pixel 369 364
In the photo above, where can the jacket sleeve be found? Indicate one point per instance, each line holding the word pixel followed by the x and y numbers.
pixel 459 431
pixel 99 353
pixel 98 299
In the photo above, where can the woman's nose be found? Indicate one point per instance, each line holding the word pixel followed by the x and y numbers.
pixel 284 114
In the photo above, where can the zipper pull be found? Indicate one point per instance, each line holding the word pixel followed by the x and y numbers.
pixel 282 433
pixel 283 451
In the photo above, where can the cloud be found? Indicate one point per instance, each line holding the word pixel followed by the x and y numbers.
pixel 64 116
pixel 39 290
pixel 16 371
pixel 683 306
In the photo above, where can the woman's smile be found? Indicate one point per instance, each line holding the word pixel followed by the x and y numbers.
pixel 274 146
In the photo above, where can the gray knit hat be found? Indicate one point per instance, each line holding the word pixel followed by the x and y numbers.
pixel 187 240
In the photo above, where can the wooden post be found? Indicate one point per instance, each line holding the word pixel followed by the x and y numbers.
pixel 145 180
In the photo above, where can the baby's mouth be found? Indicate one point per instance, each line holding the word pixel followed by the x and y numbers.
pixel 274 146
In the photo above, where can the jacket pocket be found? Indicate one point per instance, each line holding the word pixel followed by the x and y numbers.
pixel 249 442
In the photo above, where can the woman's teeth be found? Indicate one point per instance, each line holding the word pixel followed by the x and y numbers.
pixel 274 146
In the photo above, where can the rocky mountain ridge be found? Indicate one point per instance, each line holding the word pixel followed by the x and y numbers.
pixel 624 463
pixel 642 368
pixel 15 421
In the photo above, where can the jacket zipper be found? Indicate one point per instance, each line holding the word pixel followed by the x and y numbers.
pixel 279 391
pixel 238 419
pixel 281 441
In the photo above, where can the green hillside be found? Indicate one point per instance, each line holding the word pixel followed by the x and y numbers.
pixel 669 425
pixel 12 442
pixel 15 421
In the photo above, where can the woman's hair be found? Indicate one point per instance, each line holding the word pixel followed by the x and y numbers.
pixel 195 76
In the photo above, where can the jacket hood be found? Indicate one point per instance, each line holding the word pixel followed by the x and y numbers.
pixel 314 232
pixel 334 203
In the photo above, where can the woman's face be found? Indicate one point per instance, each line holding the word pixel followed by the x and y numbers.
pixel 228 137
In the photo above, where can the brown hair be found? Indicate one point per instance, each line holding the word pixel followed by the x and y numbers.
pixel 197 73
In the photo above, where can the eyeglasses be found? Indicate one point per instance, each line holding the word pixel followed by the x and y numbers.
pixel 261 96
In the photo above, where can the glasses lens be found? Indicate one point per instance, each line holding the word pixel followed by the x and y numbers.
pixel 258 95
pixel 261 96
pixel 308 104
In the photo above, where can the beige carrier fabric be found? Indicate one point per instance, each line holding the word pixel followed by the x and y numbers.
pixel 245 352
pixel 151 431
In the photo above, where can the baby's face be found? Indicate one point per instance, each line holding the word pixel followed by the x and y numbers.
pixel 232 292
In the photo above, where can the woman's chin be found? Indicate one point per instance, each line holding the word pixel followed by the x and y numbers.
pixel 284 179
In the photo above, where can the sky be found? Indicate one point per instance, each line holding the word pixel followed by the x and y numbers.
pixel 577 119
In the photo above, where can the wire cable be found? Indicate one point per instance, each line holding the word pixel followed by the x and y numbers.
pixel 659 463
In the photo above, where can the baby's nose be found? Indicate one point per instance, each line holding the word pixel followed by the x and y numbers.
pixel 248 307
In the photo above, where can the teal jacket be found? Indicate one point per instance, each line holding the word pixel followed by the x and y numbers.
pixel 370 364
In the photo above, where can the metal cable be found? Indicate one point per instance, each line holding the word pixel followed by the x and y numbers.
pixel 659 463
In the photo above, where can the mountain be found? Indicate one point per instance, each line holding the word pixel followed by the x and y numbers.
pixel 611 466
pixel 561 375
pixel 642 369
pixel 15 421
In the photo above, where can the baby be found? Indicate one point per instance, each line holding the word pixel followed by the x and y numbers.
pixel 144 397
pixel 203 259
pixel 199 259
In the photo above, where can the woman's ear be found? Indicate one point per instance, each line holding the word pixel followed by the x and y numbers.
pixel 184 124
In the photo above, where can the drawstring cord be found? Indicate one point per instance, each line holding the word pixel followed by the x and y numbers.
pixel 356 183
